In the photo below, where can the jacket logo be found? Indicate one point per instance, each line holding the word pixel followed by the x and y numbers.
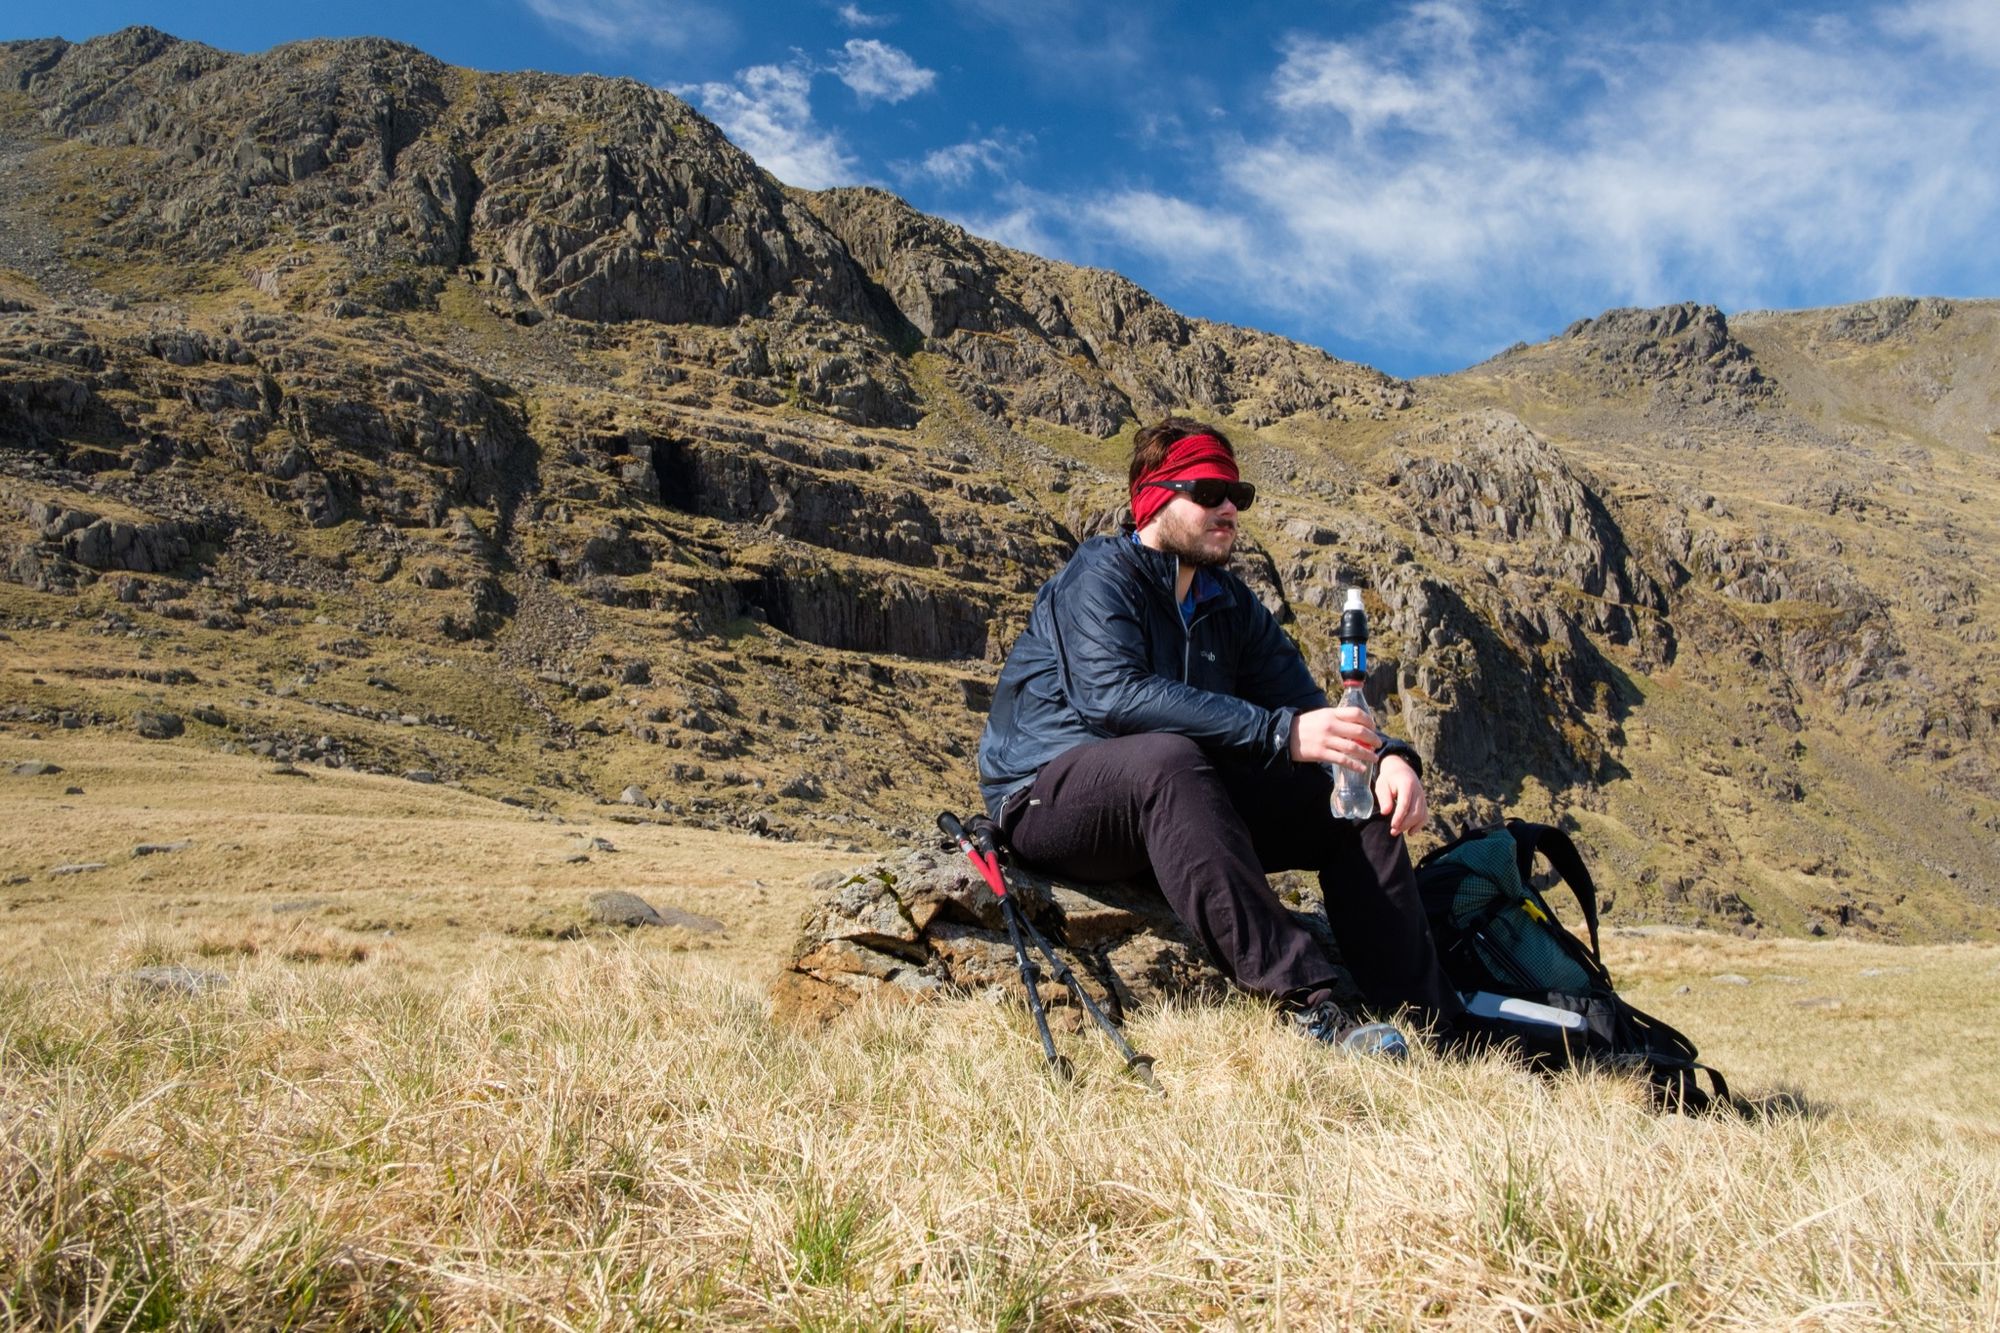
pixel 1207 656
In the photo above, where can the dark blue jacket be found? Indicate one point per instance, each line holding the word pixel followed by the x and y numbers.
pixel 1106 653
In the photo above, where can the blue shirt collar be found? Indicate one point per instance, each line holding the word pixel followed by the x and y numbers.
pixel 1203 586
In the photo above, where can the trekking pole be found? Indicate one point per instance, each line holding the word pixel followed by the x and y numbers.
pixel 986 856
pixel 1031 976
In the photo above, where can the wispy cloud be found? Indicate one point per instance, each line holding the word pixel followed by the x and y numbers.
pixel 1969 28
pixel 1069 39
pixel 878 72
pixel 1021 224
pixel 767 112
pixel 621 25
pixel 1442 181
pixel 957 165
pixel 856 17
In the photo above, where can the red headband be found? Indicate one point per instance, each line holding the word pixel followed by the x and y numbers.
pixel 1190 458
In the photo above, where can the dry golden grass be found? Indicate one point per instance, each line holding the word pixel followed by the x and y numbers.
pixel 329 861
pixel 464 1124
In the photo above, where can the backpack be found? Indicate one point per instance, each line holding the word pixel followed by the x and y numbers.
pixel 1501 945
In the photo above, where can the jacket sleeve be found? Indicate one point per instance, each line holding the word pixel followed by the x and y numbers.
pixel 1108 676
pixel 1275 674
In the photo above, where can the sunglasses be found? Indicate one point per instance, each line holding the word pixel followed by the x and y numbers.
pixel 1208 492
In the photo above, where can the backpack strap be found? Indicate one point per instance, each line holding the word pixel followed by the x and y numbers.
pixel 1562 854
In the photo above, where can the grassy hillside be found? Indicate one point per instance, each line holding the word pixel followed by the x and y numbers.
pixel 424 1089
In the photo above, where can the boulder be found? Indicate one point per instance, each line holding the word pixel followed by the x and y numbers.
pixel 924 923
pixel 155 725
pixel 618 908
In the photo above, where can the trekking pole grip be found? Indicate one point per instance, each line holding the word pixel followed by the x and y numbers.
pixel 948 823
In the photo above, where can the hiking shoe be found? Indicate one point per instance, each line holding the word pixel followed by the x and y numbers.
pixel 1330 1025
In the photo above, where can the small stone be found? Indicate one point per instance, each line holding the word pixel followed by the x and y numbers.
pixel 12 880
pixel 1683 990
pixel 637 673
pixel 287 770
pixel 72 791
pixel 158 848
pixel 600 845
pixel 701 925
pixel 576 860
pixel 76 868
pixel 211 717
pixel 420 775
pixel 36 768
pixel 158 726
pixel 175 979
pixel 633 795
pixel 1730 979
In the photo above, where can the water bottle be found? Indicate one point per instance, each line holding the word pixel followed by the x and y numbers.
pixel 1353 793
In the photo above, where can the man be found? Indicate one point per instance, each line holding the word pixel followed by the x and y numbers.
pixel 1153 717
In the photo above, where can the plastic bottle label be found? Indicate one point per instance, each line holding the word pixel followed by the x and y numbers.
pixel 1353 659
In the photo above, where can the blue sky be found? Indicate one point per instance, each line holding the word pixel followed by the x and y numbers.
pixel 1411 185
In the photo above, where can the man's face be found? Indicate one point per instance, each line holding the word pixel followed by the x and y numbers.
pixel 1201 537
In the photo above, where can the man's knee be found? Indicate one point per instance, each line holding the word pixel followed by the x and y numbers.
pixel 1164 757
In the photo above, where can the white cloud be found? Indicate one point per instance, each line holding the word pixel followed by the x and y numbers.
pixel 1447 184
pixel 1018 228
pixel 1453 95
pixel 1192 235
pixel 767 113
pixel 879 72
pixel 617 25
pixel 855 17
pixel 957 164
pixel 1961 27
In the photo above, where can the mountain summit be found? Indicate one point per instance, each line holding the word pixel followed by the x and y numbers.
pixel 521 431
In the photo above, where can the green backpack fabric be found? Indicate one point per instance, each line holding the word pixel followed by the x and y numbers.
pixel 1496 934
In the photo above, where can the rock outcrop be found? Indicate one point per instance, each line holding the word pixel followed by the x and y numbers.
pixel 1077 347
pixel 925 924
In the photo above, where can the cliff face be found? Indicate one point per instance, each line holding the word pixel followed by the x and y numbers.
pixel 521 429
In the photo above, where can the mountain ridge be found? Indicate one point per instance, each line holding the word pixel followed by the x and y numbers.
pixel 585 437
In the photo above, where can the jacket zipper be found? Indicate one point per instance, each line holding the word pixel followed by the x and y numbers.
pixel 1187 649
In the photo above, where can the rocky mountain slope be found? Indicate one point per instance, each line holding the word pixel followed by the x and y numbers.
pixel 519 431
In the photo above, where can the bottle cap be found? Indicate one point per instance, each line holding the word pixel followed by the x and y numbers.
pixel 1353 600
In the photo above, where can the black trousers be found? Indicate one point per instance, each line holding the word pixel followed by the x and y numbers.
pixel 1209 831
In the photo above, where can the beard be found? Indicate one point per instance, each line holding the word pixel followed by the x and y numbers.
pixel 1196 544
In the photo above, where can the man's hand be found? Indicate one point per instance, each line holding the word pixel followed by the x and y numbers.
pixel 1399 794
pixel 1335 736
